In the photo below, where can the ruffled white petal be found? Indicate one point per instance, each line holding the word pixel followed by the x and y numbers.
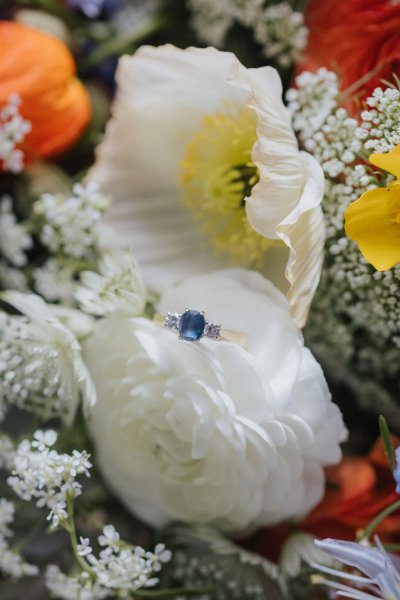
pixel 210 432
pixel 285 204
pixel 303 231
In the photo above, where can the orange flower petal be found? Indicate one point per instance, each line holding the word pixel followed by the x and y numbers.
pixel 338 42
pixel 378 456
pixel 40 69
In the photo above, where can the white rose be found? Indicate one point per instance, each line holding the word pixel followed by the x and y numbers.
pixel 209 432
pixel 204 170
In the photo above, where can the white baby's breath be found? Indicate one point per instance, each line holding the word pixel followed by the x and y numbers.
pixel 70 225
pixel 7 452
pixel 212 20
pixel 13 129
pixel 14 239
pixel 354 327
pixel 380 124
pixel 313 100
pixel 11 278
pixel 282 33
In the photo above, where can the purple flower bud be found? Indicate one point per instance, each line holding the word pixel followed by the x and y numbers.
pixel 396 472
pixel 96 8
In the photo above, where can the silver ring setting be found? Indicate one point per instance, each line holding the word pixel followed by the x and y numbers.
pixel 192 325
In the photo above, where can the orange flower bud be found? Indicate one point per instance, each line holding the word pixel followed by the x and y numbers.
pixel 40 69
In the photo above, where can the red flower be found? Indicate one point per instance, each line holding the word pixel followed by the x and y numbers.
pixel 355 38
pixel 357 490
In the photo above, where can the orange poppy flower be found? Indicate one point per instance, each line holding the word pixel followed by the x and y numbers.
pixel 40 69
pixel 356 38
pixel 358 489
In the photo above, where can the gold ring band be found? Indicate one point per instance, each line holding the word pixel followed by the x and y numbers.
pixel 192 325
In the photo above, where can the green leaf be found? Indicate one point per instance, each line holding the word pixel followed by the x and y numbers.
pixel 385 434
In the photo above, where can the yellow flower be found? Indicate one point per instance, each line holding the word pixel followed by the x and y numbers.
pixel 373 221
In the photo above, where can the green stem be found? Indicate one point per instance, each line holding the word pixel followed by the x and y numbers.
pixel 366 534
pixel 72 533
pixel 392 547
pixel 30 535
pixel 173 592
pixel 116 46
pixel 56 8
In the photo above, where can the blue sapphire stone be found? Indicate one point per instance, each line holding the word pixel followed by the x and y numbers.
pixel 191 325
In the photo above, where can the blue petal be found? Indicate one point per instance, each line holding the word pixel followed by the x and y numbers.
pixel 368 560
pixel 374 562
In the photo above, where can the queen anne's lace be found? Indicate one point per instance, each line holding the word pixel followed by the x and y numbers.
pixel 13 129
pixel 50 478
pixel 43 474
pixel 118 567
pixel 124 567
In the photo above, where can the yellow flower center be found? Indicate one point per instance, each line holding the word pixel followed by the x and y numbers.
pixel 217 175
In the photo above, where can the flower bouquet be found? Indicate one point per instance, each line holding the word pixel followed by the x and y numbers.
pixel 199 299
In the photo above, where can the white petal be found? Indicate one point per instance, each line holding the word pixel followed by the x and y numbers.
pixel 303 231
pixel 162 96
pixel 285 204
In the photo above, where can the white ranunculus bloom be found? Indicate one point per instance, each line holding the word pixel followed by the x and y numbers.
pixel 209 432
pixel 204 170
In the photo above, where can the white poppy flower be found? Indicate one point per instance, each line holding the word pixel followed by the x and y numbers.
pixel 204 170
pixel 209 432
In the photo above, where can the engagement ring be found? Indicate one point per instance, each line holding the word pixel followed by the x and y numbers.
pixel 192 325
